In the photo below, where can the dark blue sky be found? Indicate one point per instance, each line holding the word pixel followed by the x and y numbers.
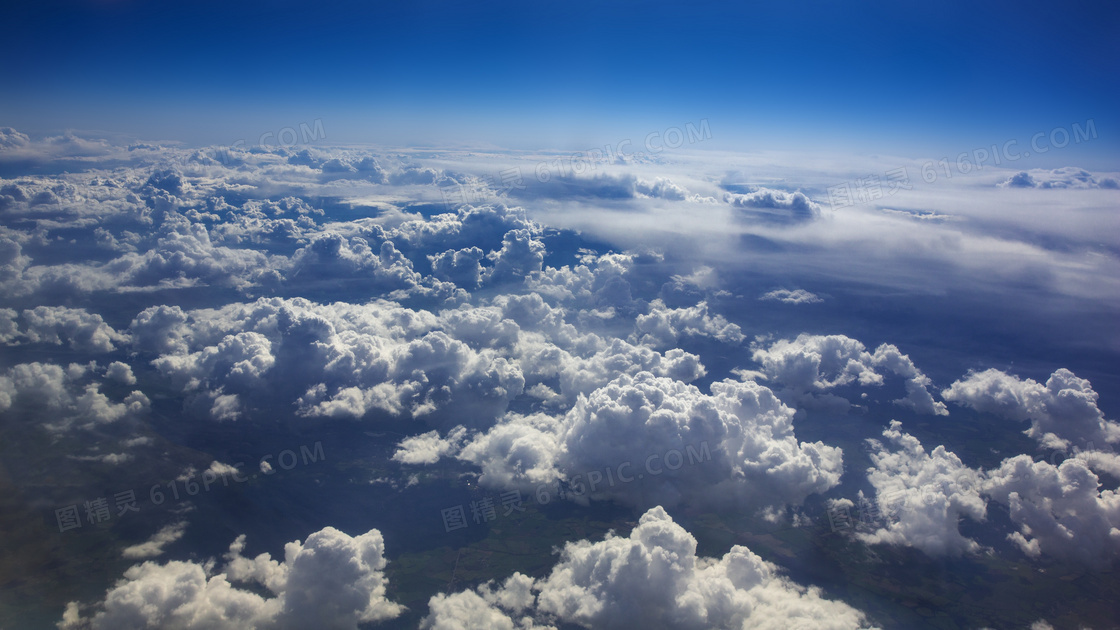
pixel 916 77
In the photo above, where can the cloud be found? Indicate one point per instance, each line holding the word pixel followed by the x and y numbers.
pixel 183 256
pixel 1022 179
pixel 354 359
pixel 1061 511
pixel 423 376
pixel 796 296
pixel 925 495
pixel 810 365
pixel 331 580
pixel 665 188
pixel 77 327
pixel 61 399
pixel 568 187
pixel 521 254
pixel 333 256
pixel 663 326
pixel 776 205
pixel 661 188
pixel 461 266
pixel 1063 413
pixel 1059 178
pixel 603 284
pixel 480 327
pixel 646 439
pixel 486 318
pixel 120 372
pixel 154 546
pixel 340 359
pixel 482 226
pixel 160 329
pixel 12 139
pixel 489 608
pixel 428 448
pixel 651 578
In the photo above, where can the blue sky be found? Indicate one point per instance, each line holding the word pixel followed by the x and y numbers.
pixel 914 78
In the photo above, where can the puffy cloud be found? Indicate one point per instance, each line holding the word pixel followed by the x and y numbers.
pixel 1065 177
pixel 796 296
pixel 259 222
pixel 167 179
pixel 1062 413
pixel 160 329
pixel 12 139
pixel 661 188
pixel 415 175
pixel 177 595
pixel 353 359
pixel 734 446
pixel 333 256
pixel 1022 179
pixel 423 376
pixel 812 364
pixel 582 375
pixel 924 494
pixel 603 284
pixel 461 266
pixel 9 326
pixel 68 397
pixel 13 264
pixel 521 254
pixel 817 362
pixel 521 451
pixel 651 578
pixel 77 327
pixel 120 372
pixel 663 326
pixel 335 165
pixel 1061 511
pixel 240 359
pixel 469 226
pixel 487 608
pixel 918 397
pixel 346 360
pixel 238 363
pixel 664 188
pixel 480 327
pixel 331 580
pixel 428 448
pixel 186 252
pixel 776 205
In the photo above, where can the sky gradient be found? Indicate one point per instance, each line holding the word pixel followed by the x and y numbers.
pixel 913 78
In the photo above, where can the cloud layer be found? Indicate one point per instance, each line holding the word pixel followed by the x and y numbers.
pixel 650 578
